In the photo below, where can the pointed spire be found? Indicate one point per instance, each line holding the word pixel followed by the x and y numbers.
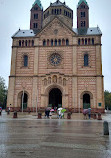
pixel 80 1
pixel 38 2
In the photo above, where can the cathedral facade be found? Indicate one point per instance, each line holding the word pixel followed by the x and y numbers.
pixel 54 64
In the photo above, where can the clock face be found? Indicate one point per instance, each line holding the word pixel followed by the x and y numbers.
pixel 55 59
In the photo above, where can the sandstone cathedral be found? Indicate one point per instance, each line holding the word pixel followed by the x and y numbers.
pixel 54 64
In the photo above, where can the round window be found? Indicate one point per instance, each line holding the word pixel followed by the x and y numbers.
pixel 55 59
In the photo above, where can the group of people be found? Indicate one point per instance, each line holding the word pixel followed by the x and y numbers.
pixel 49 112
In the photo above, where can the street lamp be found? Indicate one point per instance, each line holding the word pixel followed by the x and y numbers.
pixel 22 100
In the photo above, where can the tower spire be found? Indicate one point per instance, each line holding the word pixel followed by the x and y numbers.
pixel 38 2
pixel 82 14
pixel 80 1
pixel 36 16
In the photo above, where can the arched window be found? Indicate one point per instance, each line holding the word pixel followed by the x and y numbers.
pixel 92 41
pixel 52 11
pixel 48 42
pixel 59 42
pixel 20 43
pixel 25 60
pixel 63 42
pixel 68 14
pixel 32 42
pixel 44 42
pixel 57 11
pixel 60 11
pixel 52 42
pixel 86 62
pixel 26 43
pixel 67 42
pixel 82 41
pixel 29 43
pixel 85 41
pixel 79 41
pixel 55 42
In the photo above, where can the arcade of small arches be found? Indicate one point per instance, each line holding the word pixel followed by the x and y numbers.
pixel 58 12
pixel 26 43
pixel 55 79
pixel 85 41
pixel 55 42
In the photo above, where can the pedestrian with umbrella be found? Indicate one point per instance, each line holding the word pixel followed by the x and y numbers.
pixel 59 113
pixel 47 111
pixel 63 111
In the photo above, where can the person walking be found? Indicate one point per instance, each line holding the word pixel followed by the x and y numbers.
pixel 89 113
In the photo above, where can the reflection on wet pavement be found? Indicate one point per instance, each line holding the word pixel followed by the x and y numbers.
pixel 46 138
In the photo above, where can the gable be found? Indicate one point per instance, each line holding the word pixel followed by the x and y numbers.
pixel 56 28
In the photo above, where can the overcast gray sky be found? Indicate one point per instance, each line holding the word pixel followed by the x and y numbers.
pixel 15 14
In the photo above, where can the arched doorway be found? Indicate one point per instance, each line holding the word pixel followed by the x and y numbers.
pixel 24 100
pixel 55 98
pixel 86 101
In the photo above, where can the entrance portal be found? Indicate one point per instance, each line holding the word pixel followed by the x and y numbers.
pixel 86 101
pixel 55 98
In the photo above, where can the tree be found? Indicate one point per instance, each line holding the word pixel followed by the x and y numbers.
pixel 107 96
pixel 3 92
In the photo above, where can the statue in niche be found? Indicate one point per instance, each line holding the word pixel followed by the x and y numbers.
pixel 45 82
pixel 49 80
pixel 64 82
pixel 55 79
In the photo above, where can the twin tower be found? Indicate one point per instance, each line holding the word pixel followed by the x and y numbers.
pixel 40 18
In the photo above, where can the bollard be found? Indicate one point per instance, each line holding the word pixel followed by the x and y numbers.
pixel 15 114
pixel 8 112
pixel 99 116
pixel 39 115
pixel 69 115
pixel 0 113
pixel 94 116
pixel 106 128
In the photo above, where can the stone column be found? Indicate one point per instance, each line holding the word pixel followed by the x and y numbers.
pixel 100 93
pixel 36 57
pixel 74 59
pixel 98 60
pixel 13 61
pixel 11 87
pixel 74 92
pixel 35 93
pixel 10 97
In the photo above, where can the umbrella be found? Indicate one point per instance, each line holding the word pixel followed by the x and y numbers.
pixel 63 110
pixel 48 109
pixel 52 110
pixel 85 111
pixel 59 109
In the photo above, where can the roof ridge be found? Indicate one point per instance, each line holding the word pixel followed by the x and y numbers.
pixel 16 32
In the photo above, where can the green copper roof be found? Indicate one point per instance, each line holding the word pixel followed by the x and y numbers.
pixel 38 2
pixel 80 1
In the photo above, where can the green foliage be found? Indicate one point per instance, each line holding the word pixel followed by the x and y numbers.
pixel 107 96
pixel 3 92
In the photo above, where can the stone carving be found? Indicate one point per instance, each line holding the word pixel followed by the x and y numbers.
pixel 54 79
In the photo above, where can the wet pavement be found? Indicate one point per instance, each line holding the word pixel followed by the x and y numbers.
pixel 27 137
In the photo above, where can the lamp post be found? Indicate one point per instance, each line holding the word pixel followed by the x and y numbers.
pixel 22 100
pixel 37 101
